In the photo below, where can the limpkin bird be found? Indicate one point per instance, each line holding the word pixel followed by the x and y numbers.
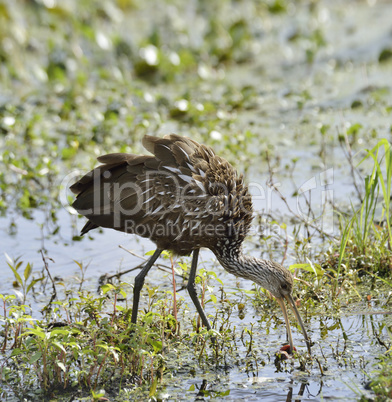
pixel 183 197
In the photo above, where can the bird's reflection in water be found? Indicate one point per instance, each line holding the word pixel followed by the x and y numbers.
pixel 202 391
pixel 300 393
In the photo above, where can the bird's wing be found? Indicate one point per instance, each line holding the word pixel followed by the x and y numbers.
pixel 102 191
pixel 183 184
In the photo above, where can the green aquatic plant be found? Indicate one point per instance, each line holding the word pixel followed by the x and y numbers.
pixel 26 282
pixel 381 384
pixel 345 235
pixel 364 236
pixel 381 177
pixel 87 343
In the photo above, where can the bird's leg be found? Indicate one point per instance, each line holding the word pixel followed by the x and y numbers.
pixel 139 282
pixel 192 290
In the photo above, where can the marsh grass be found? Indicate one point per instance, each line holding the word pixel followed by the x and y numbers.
pixel 380 177
pixel 364 243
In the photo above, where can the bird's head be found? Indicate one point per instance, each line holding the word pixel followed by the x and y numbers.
pixel 278 281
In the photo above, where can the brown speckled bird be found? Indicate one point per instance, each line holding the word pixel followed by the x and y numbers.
pixel 182 197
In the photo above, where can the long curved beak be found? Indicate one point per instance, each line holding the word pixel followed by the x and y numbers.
pixel 291 303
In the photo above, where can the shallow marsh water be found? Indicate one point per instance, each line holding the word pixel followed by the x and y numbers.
pixel 295 96
pixel 343 364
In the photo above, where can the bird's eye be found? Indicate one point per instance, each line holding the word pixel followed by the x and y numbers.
pixel 284 286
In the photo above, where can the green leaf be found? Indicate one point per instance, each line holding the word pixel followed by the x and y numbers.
pixel 37 332
pixel 157 345
pixel 59 346
pixel 79 264
pixel 98 395
pixel 27 271
pixel 123 293
pixel 61 365
pixel 17 352
pixel 17 276
pixel 59 332
pixel 313 268
pixel 107 287
pixel 32 283
pixel 153 388
pixel 183 266
pixel 36 356
pixel 213 298
pixel 219 280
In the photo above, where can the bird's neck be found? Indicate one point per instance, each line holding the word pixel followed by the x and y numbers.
pixel 244 266
pixel 235 262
